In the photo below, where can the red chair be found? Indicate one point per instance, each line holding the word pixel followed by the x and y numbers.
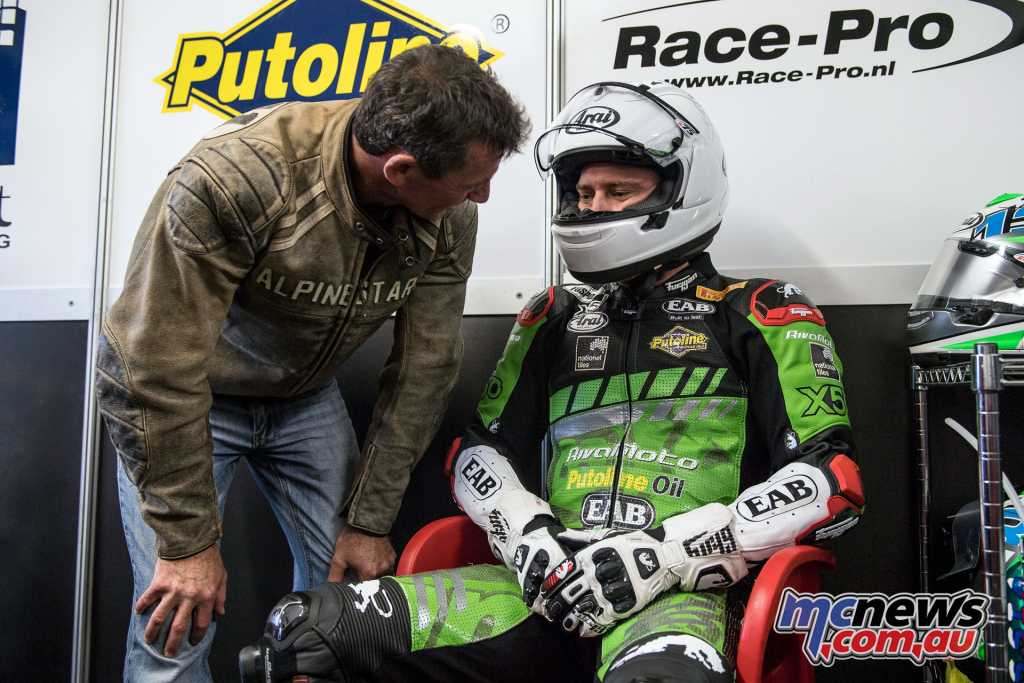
pixel 763 656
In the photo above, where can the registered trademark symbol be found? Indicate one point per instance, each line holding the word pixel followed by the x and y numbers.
pixel 499 23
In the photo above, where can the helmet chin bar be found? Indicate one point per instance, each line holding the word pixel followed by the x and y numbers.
pixel 629 271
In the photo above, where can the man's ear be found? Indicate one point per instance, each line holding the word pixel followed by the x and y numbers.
pixel 398 167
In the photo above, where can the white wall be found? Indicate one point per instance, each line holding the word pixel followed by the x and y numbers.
pixel 845 185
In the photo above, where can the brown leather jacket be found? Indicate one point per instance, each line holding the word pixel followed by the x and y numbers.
pixel 256 273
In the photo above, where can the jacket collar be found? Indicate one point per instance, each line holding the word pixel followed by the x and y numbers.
pixel 336 152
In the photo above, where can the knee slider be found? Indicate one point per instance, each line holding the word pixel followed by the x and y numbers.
pixel 670 658
pixel 358 625
pixel 296 637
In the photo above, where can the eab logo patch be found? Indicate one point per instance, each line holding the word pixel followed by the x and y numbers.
pixel 679 341
pixel 483 482
pixel 308 50
pixel 687 306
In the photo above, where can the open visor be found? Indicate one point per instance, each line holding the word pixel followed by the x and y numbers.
pixel 616 118
pixel 974 274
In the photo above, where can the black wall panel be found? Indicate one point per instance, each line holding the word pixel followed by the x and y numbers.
pixel 42 376
pixel 41 366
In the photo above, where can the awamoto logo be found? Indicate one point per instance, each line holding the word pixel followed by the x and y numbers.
pixel 593 117
pixel 302 50
pixel 679 341
pixel 895 31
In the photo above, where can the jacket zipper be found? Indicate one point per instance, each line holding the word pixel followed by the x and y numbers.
pixel 620 456
pixel 339 333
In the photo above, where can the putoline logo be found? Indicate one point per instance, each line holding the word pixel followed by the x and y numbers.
pixel 308 50
pixel 595 117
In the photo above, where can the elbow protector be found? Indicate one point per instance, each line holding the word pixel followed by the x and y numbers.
pixel 488 490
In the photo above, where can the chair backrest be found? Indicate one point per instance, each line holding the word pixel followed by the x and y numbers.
pixel 765 656
pixel 445 543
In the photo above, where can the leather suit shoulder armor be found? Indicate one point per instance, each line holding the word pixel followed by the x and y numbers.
pixel 227 192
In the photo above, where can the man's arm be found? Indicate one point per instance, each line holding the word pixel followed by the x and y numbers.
pixel 415 387
pixel 197 242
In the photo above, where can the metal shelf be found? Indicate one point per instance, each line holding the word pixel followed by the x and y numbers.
pixel 987 373
pixel 1011 374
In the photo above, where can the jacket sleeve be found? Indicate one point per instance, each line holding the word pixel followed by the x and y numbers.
pixel 512 415
pixel 493 469
pixel 417 380
pixel 799 411
pixel 197 241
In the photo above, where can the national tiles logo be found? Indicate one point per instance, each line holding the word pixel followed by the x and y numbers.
pixel 306 50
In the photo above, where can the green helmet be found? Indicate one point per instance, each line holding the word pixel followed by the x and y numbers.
pixel 974 291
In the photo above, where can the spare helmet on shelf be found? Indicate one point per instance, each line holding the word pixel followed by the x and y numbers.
pixel 974 290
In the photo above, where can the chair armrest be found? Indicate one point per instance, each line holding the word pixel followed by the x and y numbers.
pixel 799 568
pixel 443 544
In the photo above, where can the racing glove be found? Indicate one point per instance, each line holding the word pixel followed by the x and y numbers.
pixel 710 547
pixel 521 528
pixel 618 576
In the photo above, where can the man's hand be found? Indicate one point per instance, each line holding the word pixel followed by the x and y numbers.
pixel 190 588
pixel 620 575
pixel 368 556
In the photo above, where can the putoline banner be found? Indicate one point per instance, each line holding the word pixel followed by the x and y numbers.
pixel 190 65
pixel 858 134
pixel 302 50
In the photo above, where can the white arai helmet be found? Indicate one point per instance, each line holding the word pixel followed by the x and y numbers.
pixel 660 127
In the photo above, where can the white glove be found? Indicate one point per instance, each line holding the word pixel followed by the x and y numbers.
pixel 525 535
pixel 618 576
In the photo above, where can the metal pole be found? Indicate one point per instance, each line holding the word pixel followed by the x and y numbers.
pixel 923 476
pixel 554 99
pixel 929 672
pixel 986 384
pixel 82 632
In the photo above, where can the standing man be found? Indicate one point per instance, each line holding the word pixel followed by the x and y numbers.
pixel 275 248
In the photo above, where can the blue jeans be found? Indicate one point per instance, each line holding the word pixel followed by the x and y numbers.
pixel 302 454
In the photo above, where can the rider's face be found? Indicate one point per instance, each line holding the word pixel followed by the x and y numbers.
pixel 614 187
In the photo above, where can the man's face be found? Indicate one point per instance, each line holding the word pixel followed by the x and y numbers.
pixel 431 197
pixel 614 187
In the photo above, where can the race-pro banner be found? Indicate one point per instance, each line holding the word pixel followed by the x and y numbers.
pixel 858 135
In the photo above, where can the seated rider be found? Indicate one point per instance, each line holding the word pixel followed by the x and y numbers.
pixel 684 425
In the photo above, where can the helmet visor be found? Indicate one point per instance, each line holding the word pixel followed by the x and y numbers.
pixel 974 274
pixel 639 127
